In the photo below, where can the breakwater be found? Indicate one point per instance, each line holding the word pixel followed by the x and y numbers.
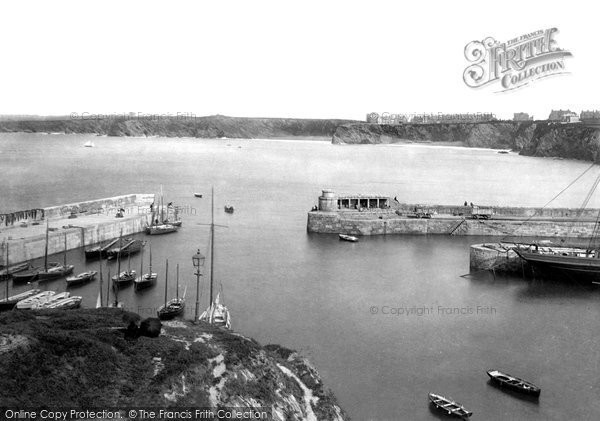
pixel 78 224
pixel 376 215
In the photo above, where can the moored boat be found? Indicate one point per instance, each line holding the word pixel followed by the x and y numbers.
pixel 449 406
pixel 581 264
pixel 65 303
pixel 350 238
pixel 10 302
pixel 146 280
pixel 99 250
pixel 26 276
pixel 229 209
pixel 56 272
pixel 81 278
pixel 125 278
pixel 34 300
pixel 11 270
pixel 164 222
pixel 217 314
pixel 131 247
pixel 51 300
pixel 514 383
pixel 161 229
pixel 198 195
pixel 174 307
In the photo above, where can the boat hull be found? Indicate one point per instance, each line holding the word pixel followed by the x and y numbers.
pixel 513 383
pixel 449 406
pixel 56 273
pixel 26 276
pixel 161 229
pixel 82 278
pixel 145 282
pixel 174 308
pixel 576 267
pixel 15 269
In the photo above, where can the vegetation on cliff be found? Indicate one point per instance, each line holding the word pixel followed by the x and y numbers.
pixel 84 358
pixel 179 126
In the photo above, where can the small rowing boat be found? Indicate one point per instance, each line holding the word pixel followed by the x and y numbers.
pixel 514 383
pixel 449 406
pixel 198 195
pixel 350 238
pixel 229 209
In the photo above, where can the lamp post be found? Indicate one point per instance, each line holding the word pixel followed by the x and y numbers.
pixel 198 261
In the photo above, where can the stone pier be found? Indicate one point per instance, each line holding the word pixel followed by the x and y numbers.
pixel 380 215
pixel 79 224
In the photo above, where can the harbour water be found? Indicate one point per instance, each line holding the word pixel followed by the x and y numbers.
pixel 386 320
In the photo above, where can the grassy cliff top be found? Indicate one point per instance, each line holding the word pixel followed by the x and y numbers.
pixel 82 358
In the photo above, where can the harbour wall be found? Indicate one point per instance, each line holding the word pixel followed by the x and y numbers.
pixel 95 223
pixel 384 223
pixel 496 257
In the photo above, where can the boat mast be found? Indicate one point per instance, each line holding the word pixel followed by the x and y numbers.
pixel 46 249
pixel 212 242
pixel 8 272
pixel 177 290
pixel 150 266
pixel 142 264
pixel 108 289
pixel 119 256
pixel 65 253
pixel 166 282
pixel 100 287
pixel 162 217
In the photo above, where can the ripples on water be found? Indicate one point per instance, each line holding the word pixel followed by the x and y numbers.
pixel 316 294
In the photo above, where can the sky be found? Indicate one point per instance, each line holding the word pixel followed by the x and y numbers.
pixel 306 59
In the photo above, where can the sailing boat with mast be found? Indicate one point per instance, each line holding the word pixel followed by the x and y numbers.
pixel 174 307
pixel 148 279
pixel 577 263
pixel 9 302
pixel 125 278
pixel 57 271
pixel 99 299
pixel 116 303
pixel 216 314
pixel 162 225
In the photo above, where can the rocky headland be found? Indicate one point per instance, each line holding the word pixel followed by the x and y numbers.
pixel 216 126
pixel 532 138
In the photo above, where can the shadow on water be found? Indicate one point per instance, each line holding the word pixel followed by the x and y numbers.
pixel 534 400
pixel 536 288
pixel 556 288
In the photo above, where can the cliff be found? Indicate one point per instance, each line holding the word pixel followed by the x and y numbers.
pixel 183 126
pixel 574 141
pixel 87 358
